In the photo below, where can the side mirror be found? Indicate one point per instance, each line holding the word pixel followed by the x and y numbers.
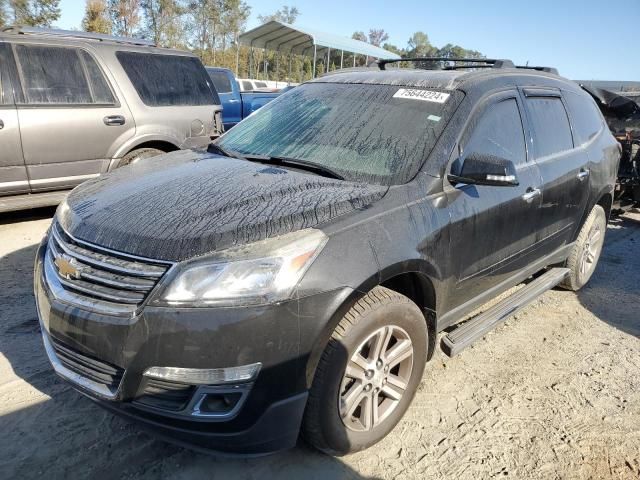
pixel 480 169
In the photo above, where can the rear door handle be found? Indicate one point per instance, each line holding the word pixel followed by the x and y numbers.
pixel 531 194
pixel 583 173
pixel 114 120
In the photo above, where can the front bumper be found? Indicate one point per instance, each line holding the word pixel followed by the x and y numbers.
pixel 270 412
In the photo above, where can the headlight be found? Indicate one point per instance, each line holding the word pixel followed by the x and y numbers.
pixel 258 273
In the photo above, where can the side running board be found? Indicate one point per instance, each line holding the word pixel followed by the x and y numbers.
pixel 477 327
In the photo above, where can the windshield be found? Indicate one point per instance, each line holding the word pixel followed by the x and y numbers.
pixel 379 134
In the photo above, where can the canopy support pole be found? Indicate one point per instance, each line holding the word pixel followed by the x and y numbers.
pixel 354 60
pixel 277 67
pixel 315 55
pixel 328 59
pixel 264 69
pixel 341 58
pixel 289 76
pixel 237 56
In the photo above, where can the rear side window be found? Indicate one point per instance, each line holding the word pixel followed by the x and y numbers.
pixel 261 85
pixel 499 133
pixel 221 81
pixel 552 133
pixel 99 86
pixel 61 76
pixel 168 80
pixel 247 86
pixel 585 116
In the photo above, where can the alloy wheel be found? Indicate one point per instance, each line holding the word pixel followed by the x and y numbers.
pixel 376 378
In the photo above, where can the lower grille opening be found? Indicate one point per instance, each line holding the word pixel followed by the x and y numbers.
pixel 87 366
pixel 165 395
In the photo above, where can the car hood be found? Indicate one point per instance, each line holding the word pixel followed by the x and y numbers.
pixel 185 204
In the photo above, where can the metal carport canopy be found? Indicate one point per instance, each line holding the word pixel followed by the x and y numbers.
pixel 283 37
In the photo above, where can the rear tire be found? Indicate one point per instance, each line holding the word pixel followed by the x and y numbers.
pixel 586 251
pixel 139 154
pixel 368 373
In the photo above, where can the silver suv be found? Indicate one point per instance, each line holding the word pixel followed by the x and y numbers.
pixel 74 105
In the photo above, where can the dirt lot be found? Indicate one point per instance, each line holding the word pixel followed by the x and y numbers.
pixel 553 393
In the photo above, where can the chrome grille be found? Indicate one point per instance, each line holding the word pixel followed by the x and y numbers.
pixel 95 276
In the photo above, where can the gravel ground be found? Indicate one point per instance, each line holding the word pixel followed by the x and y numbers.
pixel 552 393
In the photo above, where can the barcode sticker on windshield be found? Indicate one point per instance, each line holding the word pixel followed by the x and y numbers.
pixel 424 95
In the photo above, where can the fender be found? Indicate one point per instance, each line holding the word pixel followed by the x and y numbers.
pixel 140 139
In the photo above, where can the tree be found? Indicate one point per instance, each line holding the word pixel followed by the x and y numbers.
pixel 377 36
pixel 285 15
pixel 35 13
pixel 163 22
pixel 96 17
pixel 359 36
pixel 420 46
pixel 125 16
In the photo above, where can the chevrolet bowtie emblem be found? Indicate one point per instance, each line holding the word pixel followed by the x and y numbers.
pixel 67 267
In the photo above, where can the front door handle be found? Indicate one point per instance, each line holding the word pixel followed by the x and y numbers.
pixel 531 194
pixel 583 174
pixel 1 124
pixel 114 120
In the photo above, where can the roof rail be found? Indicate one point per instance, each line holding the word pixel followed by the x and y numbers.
pixel 482 62
pixel 540 69
pixel 20 30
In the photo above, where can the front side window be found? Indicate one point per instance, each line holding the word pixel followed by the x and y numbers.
pixel 61 76
pixel 53 75
pixel 499 133
pixel 550 124
pixel 371 133
pixel 168 80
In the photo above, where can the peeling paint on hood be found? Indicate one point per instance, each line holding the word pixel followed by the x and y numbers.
pixel 187 204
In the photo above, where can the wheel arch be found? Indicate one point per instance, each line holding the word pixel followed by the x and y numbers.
pixel 409 279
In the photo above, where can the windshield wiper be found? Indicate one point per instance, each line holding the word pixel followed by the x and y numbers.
pixel 215 148
pixel 297 163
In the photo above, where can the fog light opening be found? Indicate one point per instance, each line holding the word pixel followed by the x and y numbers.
pixel 219 403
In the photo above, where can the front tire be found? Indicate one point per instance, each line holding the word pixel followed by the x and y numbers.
pixel 368 373
pixel 586 251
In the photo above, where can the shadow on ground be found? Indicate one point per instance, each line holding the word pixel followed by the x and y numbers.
pixel 613 294
pixel 50 429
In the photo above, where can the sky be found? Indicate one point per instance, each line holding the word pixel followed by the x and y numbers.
pixel 580 38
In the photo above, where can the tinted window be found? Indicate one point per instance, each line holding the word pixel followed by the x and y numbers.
pixel 247 86
pixel 261 85
pixel 99 86
pixel 53 75
pixel 4 95
pixel 168 80
pixel 551 130
pixel 585 116
pixel 220 81
pixel 499 133
pixel 362 132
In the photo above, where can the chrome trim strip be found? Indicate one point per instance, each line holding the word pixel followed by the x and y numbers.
pixel 109 251
pixel 98 389
pixel 16 183
pixel 93 305
pixel 107 265
pixel 40 181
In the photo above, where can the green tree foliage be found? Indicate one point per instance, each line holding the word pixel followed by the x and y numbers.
pixel 377 36
pixel 35 13
pixel 286 14
pixel 163 22
pixel 96 17
pixel 3 13
pixel 125 17
pixel 359 36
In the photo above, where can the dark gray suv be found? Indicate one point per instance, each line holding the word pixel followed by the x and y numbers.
pixel 295 278
pixel 75 105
